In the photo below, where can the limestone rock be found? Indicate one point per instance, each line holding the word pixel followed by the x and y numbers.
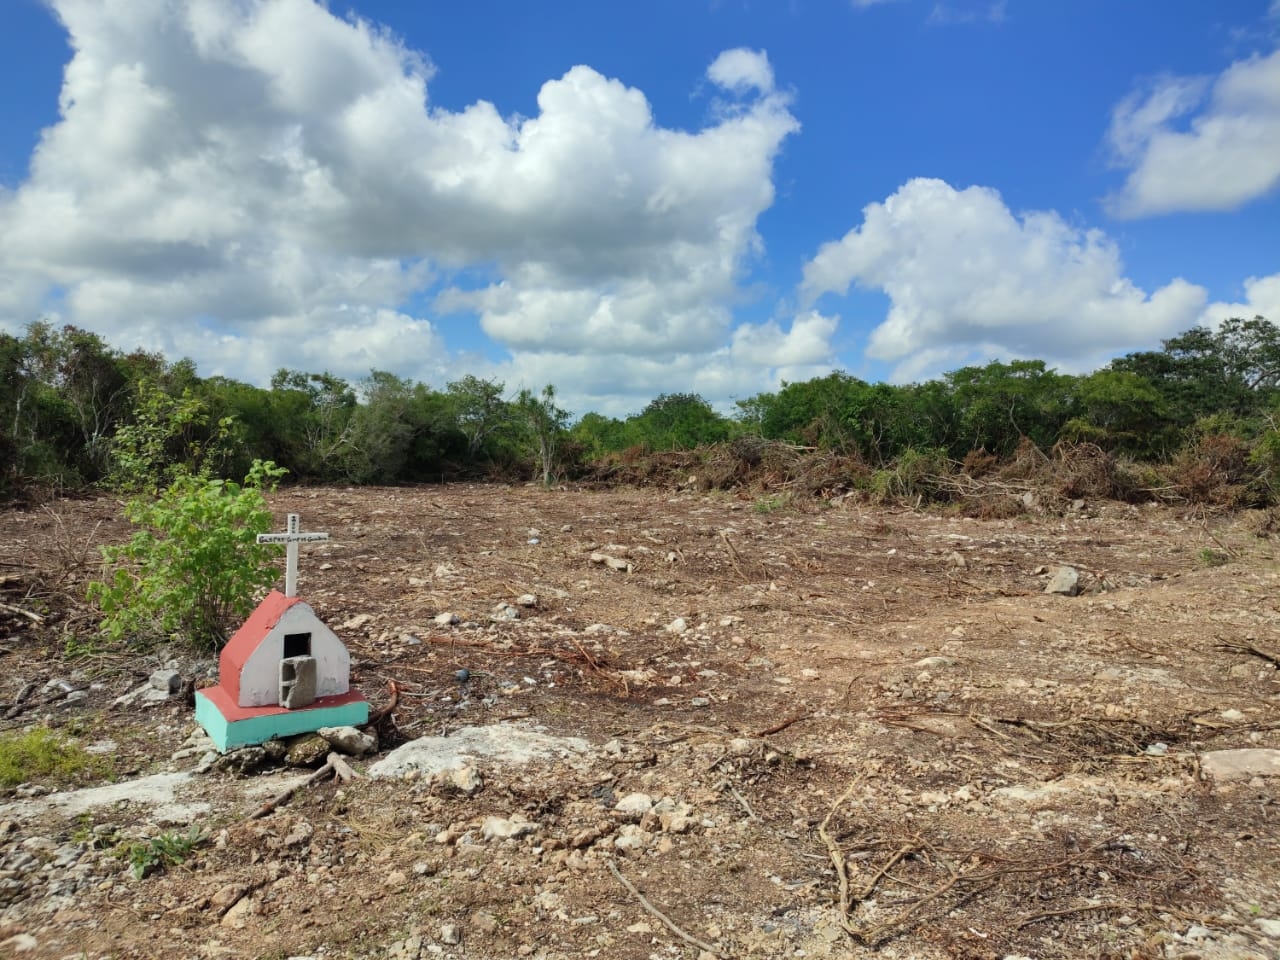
pixel 306 750
pixel 1065 582
pixel 502 828
pixel 168 681
pixel 631 838
pixel 1241 764
pixel 349 740
pixel 465 780
pixel 634 805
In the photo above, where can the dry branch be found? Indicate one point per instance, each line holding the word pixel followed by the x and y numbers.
pixel 19 702
pixel 779 727
pixel 334 766
pixel 1247 647
pixel 654 911
pixel 33 617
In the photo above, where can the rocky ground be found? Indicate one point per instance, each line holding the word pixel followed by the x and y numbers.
pixel 693 726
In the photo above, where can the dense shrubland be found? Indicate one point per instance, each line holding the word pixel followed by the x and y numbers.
pixel 1197 420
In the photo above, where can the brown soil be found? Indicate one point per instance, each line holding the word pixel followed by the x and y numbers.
pixel 889 739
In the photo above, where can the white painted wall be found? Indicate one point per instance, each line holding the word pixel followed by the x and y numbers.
pixel 260 678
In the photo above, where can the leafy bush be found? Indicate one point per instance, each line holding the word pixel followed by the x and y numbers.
pixel 194 565
pixel 171 437
pixel 40 752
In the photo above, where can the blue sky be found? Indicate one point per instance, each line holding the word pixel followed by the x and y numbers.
pixel 625 200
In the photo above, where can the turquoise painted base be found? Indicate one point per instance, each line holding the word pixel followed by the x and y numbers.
pixel 230 734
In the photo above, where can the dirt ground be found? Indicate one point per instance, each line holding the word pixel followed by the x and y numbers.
pixel 857 731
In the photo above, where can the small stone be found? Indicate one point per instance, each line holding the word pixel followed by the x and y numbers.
pixel 1065 582
pixel 678 819
pixel 935 663
pixel 243 761
pixel 226 896
pixel 957 560
pixel 526 600
pixel 238 916
pixel 1234 716
pixel 631 837
pixel 619 564
pixel 699 702
pixel 634 805
pixel 445 619
pixel 349 740
pixel 300 834
pixel 450 934
pixel 501 828
pixel 465 780
pixel 306 750
pixel 678 625
pixel 19 943
pixel 505 611
pixel 1269 927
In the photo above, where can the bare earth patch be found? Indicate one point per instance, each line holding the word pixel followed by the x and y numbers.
pixel 809 730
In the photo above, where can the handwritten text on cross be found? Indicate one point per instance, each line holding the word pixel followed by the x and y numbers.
pixel 291 538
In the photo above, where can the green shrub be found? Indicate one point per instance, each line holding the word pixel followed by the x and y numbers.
pixel 164 850
pixel 194 565
pixel 40 752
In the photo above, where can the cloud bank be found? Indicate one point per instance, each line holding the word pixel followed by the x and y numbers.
pixel 259 183
pixel 968 281
pixel 1199 143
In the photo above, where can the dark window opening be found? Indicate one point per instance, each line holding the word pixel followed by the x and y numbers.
pixel 297 645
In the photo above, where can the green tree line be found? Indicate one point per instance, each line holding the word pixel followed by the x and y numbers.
pixel 75 411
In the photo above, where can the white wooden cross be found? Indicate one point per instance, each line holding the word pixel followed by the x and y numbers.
pixel 291 538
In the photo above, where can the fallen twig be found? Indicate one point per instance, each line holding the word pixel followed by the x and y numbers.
pixel 334 766
pixel 33 617
pixel 1247 647
pixel 751 814
pixel 837 855
pixel 1068 911
pixel 20 700
pixel 654 911
pixel 779 727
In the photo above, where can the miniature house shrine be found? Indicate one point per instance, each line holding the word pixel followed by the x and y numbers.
pixel 283 673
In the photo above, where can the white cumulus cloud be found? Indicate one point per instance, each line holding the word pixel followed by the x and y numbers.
pixel 1196 143
pixel 1261 299
pixel 261 183
pixel 968 281
pixel 741 70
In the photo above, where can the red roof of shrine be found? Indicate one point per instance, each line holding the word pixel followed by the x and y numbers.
pixel 241 646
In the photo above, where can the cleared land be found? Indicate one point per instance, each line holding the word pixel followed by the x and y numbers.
pixel 874 735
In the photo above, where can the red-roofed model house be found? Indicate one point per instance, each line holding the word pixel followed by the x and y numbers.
pixel 283 673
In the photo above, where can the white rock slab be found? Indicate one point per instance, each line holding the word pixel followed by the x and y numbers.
pixel 501 743
pixel 1242 764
